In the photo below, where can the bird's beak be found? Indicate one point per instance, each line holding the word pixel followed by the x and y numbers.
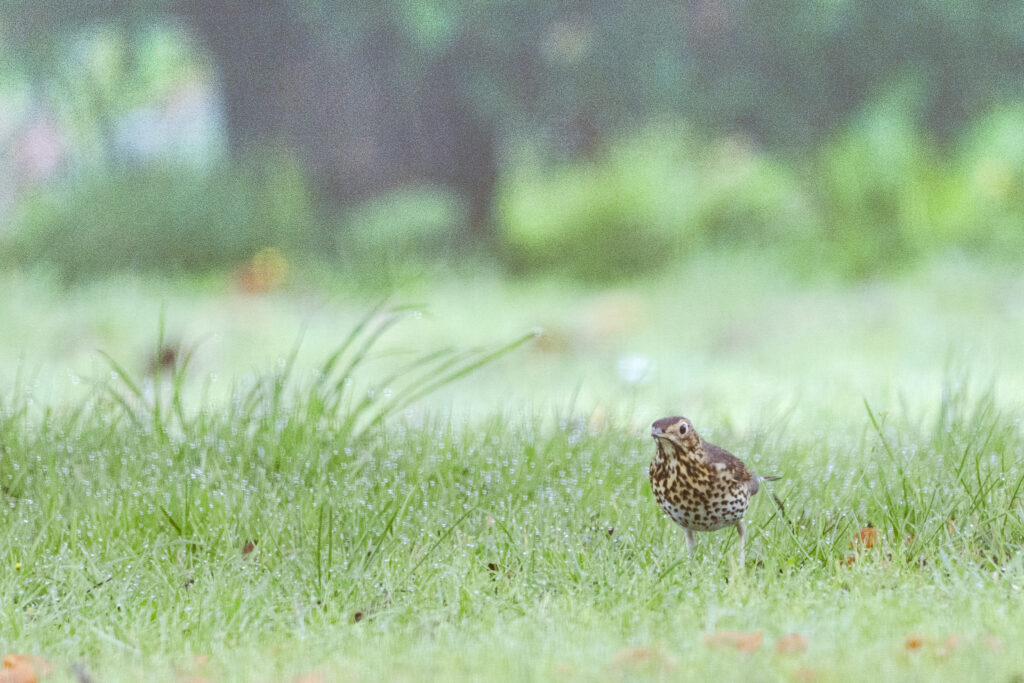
pixel 656 432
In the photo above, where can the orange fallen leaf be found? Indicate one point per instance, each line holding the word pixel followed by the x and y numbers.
pixel 791 644
pixel 18 668
pixel 18 674
pixel 915 641
pixel 867 537
pixel 42 667
pixel 744 642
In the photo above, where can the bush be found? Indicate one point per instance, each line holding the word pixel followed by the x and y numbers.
pixel 990 205
pixel 747 199
pixel 166 218
pixel 389 238
pixel 614 216
pixel 648 200
pixel 889 197
pixel 872 183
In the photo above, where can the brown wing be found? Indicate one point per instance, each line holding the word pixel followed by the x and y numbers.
pixel 734 467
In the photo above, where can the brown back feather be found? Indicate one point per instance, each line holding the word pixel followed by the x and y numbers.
pixel 733 465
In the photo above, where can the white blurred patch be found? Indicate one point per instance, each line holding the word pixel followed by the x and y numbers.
pixel 635 368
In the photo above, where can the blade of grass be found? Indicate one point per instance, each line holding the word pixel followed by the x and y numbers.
pixel 450 371
pixel 440 539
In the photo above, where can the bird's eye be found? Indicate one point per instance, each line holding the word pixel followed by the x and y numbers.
pixel 682 427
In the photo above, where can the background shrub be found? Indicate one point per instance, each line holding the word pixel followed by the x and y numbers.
pixel 386 240
pixel 167 218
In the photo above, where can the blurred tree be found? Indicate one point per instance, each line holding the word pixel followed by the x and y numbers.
pixel 364 100
pixel 374 95
pixel 365 105
pixel 790 72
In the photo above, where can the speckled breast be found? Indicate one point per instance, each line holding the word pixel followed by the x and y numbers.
pixel 693 497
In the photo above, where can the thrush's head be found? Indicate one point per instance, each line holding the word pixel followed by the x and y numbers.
pixel 676 432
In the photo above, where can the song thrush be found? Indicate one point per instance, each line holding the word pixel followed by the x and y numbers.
pixel 700 486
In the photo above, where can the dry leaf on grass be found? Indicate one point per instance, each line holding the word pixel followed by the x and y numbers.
pixel 24 668
pixel 739 640
pixel 18 674
pixel 791 644
pixel 914 642
pixel 866 538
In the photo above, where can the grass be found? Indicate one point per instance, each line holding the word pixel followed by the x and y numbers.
pixel 155 529
pixel 732 340
pixel 520 548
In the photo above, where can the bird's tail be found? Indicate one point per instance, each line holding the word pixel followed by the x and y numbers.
pixel 772 477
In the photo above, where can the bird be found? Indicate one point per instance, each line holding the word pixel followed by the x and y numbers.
pixel 701 486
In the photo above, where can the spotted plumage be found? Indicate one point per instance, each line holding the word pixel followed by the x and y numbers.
pixel 700 486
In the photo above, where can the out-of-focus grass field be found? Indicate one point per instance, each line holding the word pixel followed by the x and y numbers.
pixel 503 528
pixel 727 337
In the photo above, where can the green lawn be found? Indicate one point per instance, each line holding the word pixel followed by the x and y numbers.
pixel 504 528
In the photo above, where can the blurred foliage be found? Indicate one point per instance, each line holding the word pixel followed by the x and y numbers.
pixel 988 204
pixel 889 195
pixel 160 217
pixel 647 199
pixel 873 186
pixel 785 74
pixel 600 219
pixel 874 198
pixel 855 137
pixel 385 241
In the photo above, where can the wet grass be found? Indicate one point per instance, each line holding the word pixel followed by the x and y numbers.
pixel 218 500
pixel 312 524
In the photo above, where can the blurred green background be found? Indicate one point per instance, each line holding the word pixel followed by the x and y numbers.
pixel 730 157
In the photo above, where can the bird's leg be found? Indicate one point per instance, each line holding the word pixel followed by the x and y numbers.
pixel 741 529
pixel 691 540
